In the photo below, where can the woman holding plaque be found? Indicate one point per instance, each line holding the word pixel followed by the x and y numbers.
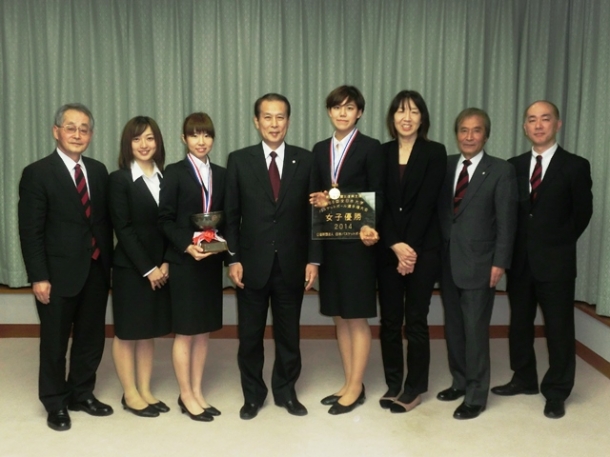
pixel 348 162
pixel 409 254
pixel 193 186
pixel 140 298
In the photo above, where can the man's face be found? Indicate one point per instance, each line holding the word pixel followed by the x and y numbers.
pixel 471 136
pixel 74 134
pixel 272 122
pixel 541 126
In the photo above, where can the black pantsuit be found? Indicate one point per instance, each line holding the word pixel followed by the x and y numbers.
pixel 410 217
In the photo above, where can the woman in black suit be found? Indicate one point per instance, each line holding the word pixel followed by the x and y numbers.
pixel 409 256
pixel 140 302
pixel 345 163
pixel 191 186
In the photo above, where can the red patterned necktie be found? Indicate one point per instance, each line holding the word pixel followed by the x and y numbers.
pixel 536 178
pixel 274 175
pixel 81 188
pixel 462 184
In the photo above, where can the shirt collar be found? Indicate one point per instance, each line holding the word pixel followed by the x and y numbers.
pixel 199 163
pixel 279 151
pixel 546 154
pixel 70 164
pixel 136 171
pixel 474 160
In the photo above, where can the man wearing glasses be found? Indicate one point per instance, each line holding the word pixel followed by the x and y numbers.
pixel 66 242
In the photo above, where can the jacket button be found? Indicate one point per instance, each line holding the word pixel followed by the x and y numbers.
pixel 399 209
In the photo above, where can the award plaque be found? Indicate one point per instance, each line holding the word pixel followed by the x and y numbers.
pixel 343 217
pixel 209 239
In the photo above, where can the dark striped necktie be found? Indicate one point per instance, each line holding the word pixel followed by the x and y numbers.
pixel 462 185
pixel 536 178
pixel 274 175
pixel 81 188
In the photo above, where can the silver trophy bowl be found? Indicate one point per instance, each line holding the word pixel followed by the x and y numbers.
pixel 204 221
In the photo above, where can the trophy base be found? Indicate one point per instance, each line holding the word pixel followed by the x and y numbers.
pixel 214 246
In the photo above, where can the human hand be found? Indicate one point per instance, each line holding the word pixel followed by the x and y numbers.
pixel 42 291
pixel 236 274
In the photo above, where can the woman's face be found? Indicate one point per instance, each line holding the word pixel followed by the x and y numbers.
pixel 344 116
pixel 199 144
pixel 144 146
pixel 407 119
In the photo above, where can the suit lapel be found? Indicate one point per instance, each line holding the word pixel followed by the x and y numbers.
pixel 289 168
pixel 258 165
pixel 66 183
pixel 552 172
pixel 480 174
pixel 414 164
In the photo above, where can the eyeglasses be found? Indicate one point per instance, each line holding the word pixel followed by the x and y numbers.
pixel 71 129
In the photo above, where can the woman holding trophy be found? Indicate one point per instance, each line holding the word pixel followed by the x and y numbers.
pixel 193 187
pixel 140 299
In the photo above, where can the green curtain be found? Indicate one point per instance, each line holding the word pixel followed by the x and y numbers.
pixel 168 58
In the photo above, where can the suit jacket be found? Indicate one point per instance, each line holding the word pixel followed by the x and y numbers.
pixel 547 230
pixel 55 233
pixel 410 213
pixel 363 170
pixel 258 227
pixel 134 214
pixel 481 234
pixel 180 198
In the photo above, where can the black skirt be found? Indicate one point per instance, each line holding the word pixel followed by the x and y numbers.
pixel 139 312
pixel 348 286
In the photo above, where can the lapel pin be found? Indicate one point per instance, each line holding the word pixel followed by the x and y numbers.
pixel 294 161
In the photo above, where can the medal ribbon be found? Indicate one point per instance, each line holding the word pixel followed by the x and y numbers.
pixel 337 164
pixel 206 194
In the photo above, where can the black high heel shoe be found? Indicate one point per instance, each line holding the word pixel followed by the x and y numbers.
pixel 149 411
pixel 161 407
pixel 211 411
pixel 330 400
pixel 338 408
pixel 201 417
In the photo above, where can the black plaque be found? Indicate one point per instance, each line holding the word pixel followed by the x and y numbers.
pixel 342 218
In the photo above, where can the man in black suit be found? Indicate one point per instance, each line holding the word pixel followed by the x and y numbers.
pixel 268 231
pixel 477 211
pixel 555 206
pixel 66 242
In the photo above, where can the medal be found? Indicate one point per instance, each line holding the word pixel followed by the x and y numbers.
pixel 336 162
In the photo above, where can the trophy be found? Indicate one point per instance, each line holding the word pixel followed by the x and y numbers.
pixel 209 239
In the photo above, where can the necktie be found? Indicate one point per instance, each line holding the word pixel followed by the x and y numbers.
pixel 274 175
pixel 536 178
pixel 81 188
pixel 462 184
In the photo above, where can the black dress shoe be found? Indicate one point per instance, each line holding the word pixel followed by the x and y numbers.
pixel 149 411
pixel 161 407
pixel 514 388
pixel 91 406
pixel 338 408
pixel 294 407
pixel 554 409
pixel 330 400
pixel 59 420
pixel 388 398
pixel 212 411
pixel 450 394
pixel 249 411
pixel 466 411
pixel 201 417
